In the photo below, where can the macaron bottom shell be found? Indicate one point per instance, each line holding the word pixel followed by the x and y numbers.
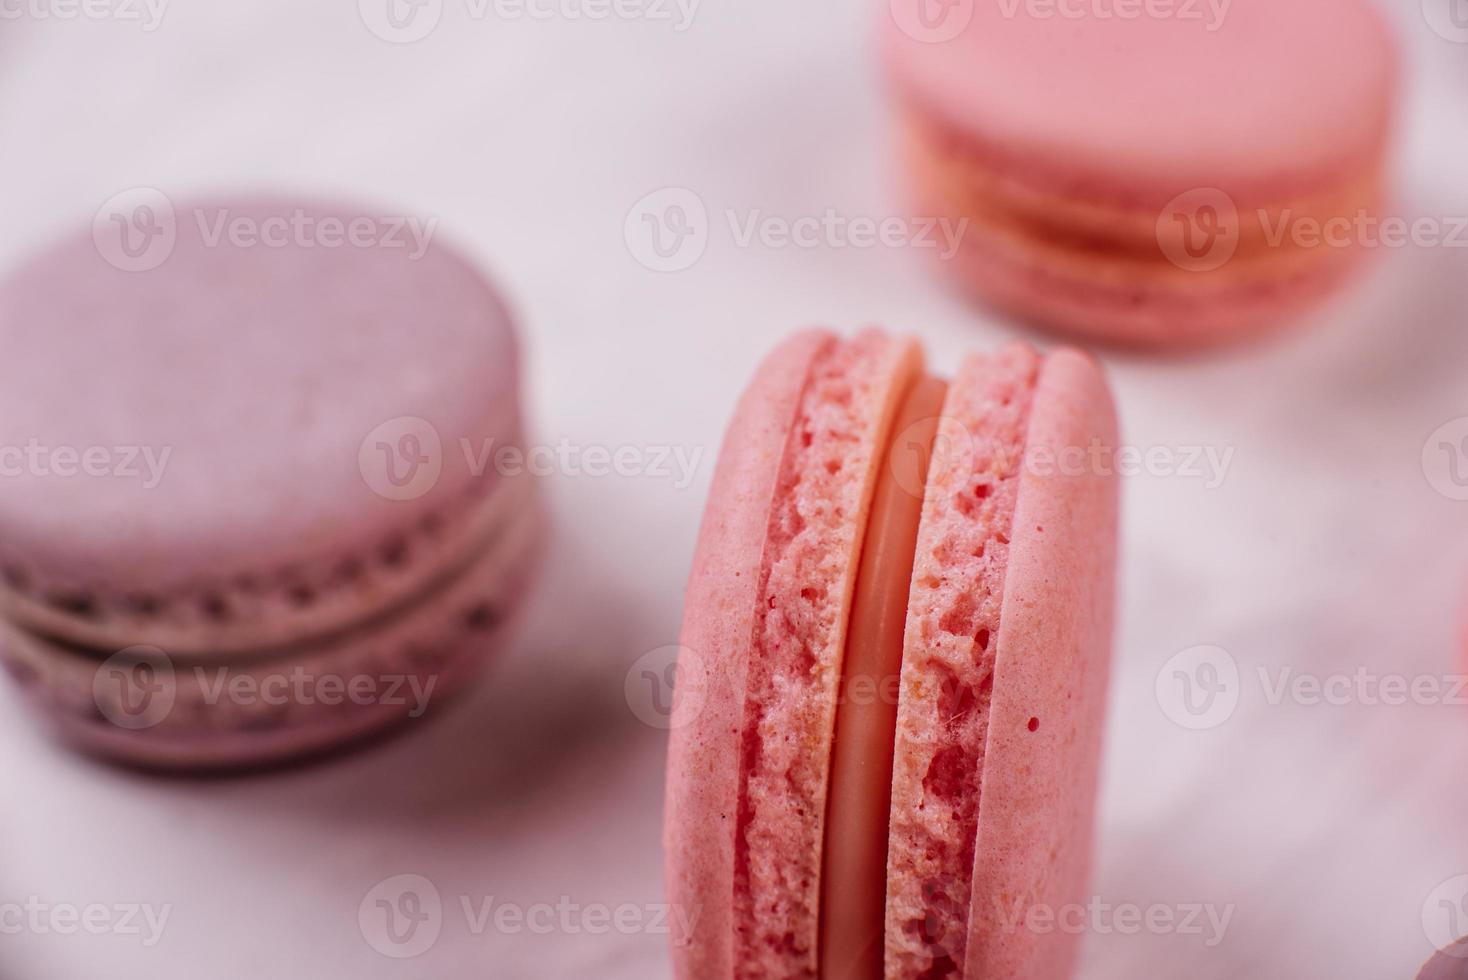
pixel 146 707
pixel 1122 275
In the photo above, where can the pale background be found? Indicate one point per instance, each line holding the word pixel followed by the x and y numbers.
pixel 1326 547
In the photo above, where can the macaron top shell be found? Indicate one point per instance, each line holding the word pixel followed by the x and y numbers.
pixel 1042 758
pixel 247 409
pixel 1147 99
pixel 713 665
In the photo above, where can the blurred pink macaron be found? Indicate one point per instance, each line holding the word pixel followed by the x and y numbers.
pixel 247 504
pixel 1164 175
pixel 1448 964
pixel 893 666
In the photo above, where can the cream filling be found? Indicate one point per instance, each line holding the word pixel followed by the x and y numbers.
pixel 854 860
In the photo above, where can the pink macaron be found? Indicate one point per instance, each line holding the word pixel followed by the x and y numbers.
pixel 248 508
pixel 1159 173
pixel 1448 964
pixel 894 661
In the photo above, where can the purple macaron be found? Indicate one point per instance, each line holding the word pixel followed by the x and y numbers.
pixel 249 500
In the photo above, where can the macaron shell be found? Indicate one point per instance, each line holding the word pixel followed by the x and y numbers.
pixel 1098 269
pixel 283 704
pixel 275 378
pixel 949 648
pixel 1089 297
pixel 718 628
pixel 1039 783
pixel 817 526
pixel 1078 99
pixel 273 615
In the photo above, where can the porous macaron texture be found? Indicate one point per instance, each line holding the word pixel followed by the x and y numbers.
pixel 1042 758
pixel 817 523
pixel 949 651
pixel 263 372
pixel 723 591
